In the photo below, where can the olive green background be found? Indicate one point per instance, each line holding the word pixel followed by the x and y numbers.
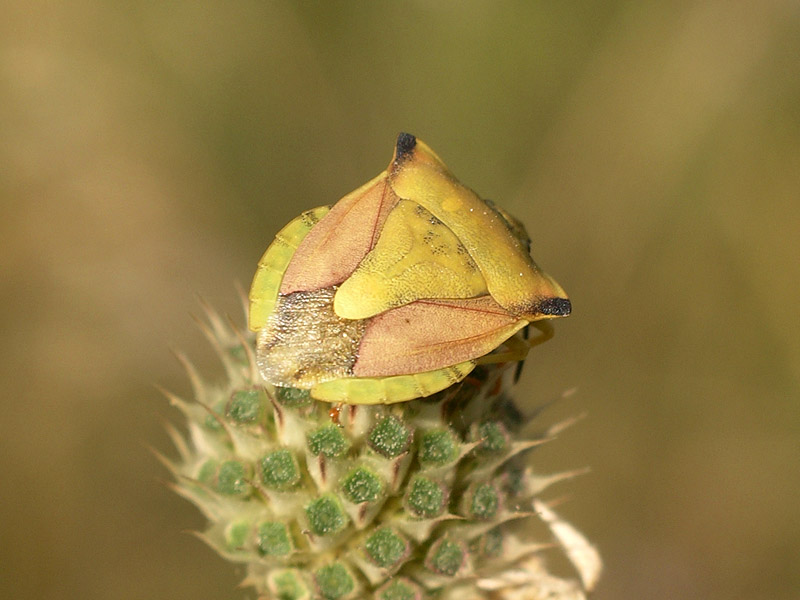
pixel 149 151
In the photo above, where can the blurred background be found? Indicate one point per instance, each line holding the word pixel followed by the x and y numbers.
pixel 150 151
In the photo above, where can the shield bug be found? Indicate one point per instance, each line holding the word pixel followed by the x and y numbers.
pixel 399 289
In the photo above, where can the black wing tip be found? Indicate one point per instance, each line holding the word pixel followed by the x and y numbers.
pixel 405 145
pixel 555 307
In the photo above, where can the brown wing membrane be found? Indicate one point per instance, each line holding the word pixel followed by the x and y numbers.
pixel 336 245
pixel 432 334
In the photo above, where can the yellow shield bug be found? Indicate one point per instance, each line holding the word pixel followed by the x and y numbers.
pixel 399 289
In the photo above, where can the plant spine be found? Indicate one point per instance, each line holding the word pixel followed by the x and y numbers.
pixel 433 498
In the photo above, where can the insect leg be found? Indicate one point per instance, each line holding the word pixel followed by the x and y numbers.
pixel 517 348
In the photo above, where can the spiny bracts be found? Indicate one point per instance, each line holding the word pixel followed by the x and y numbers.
pixel 433 498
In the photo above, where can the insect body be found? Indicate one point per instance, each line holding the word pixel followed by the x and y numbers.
pixel 398 290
